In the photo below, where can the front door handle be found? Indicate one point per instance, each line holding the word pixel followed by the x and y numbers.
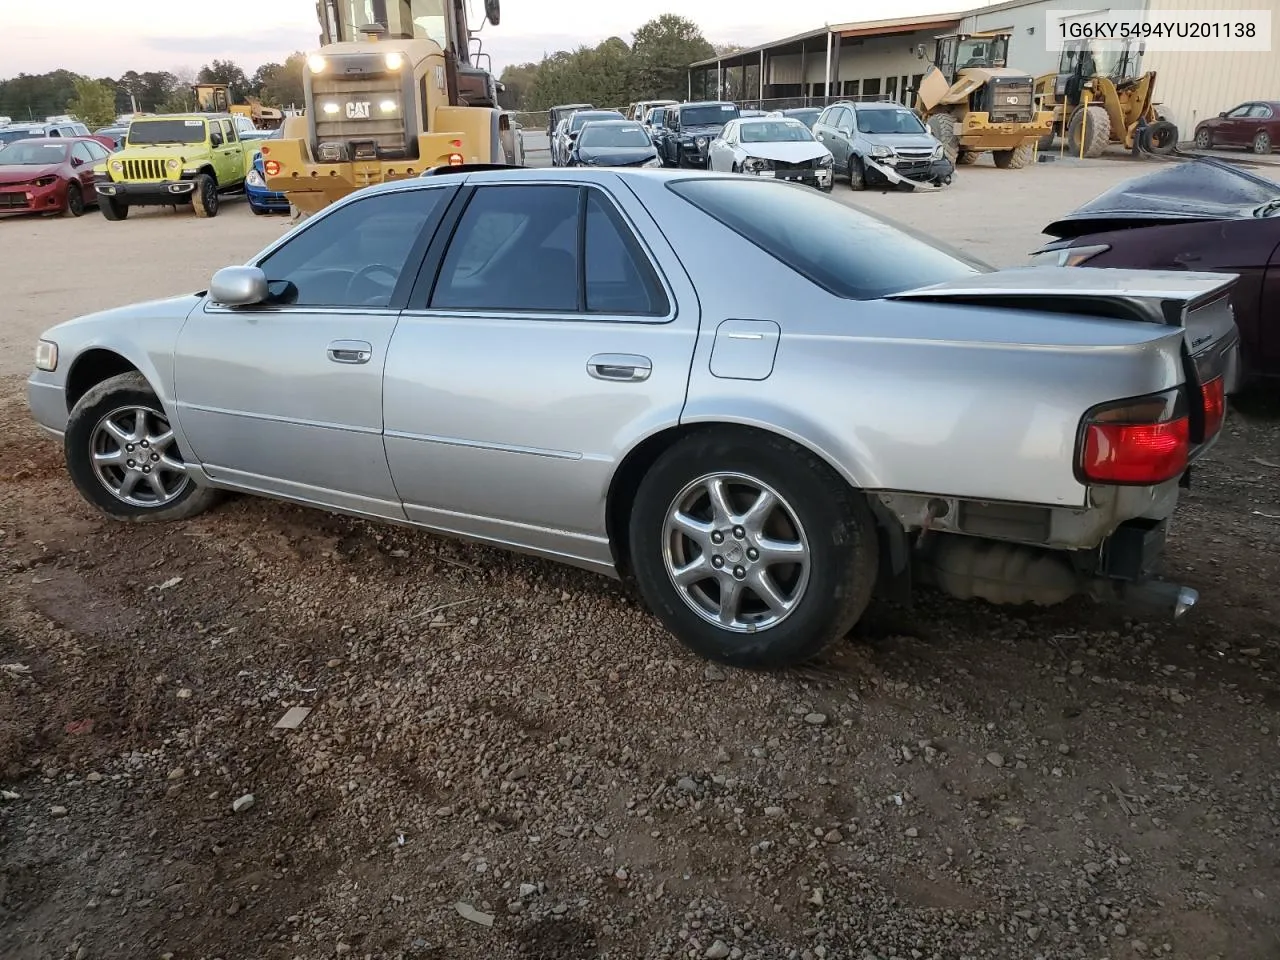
pixel 621 367
pixel 350 351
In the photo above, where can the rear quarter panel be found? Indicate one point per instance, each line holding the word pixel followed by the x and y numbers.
pixel 914 397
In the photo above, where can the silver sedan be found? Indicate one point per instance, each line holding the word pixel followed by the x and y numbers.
pixel 734 391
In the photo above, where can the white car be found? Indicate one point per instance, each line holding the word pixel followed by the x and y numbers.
pixel 777 147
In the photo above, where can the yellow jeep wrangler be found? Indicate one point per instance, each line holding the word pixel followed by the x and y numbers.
pixel 171 160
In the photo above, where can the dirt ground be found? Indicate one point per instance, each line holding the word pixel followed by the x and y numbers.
pixel 509 759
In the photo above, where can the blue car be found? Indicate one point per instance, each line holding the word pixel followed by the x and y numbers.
pixel 262 200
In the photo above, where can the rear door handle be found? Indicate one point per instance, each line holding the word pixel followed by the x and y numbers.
pixel 622 367
pixel 350 351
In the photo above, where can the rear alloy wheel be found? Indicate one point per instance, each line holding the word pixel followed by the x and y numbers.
pixel 75 200
pixel 1262 143
pixel 750 549
pixel 123 457
pixel 204 198
pixel 1204 140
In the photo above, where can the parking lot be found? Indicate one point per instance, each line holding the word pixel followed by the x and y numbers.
pixel 523 739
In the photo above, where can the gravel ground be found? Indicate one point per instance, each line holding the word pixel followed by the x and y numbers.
pixel 508 759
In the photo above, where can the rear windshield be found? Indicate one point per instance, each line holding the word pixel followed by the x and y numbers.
pixel 607 135
pixel 807 117
pixel 9 136
pixel 889 121
pixel 166 131
pixel 582 117
pixel 706 116
pixel 775 131
pixel 848 253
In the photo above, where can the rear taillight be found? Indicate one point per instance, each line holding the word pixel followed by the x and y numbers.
pixel 1140 442
pixel 1215 406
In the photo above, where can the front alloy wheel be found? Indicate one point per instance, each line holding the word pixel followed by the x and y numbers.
pixel 134 457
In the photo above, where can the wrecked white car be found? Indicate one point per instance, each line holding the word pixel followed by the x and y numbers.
pixel 773 146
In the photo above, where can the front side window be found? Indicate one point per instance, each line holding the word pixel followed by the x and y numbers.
pixel 354 256
pixel 1242 111
pixel 889 121
pixel 552 249
pixel 165 131
pixel 81 152
pixel 848 253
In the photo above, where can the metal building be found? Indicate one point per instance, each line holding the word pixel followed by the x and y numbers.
pixel 888 57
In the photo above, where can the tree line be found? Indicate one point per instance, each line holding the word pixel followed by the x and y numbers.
pixel 98 101
pixel 654 66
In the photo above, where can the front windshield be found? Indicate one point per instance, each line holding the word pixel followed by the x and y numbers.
pixel 889 121
pixel 982 52
pixel 583 118
pixel 716 114
pixel 165 131
pixel 609 135
pixel 776 131
pixel 27 153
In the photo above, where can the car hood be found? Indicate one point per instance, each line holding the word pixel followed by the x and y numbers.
pixel 153 151
pixel 1203 189
pixel 616 156
pixel 786 152
pixel 902 141
pixel 22 172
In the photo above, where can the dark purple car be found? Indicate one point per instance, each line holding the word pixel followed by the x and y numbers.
pixel 1203 215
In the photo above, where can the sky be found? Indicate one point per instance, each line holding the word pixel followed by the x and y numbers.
pixel 104 38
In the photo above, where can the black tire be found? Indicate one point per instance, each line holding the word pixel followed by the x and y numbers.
pixel 113 208
pixel 1204 139
pixel 1046 142
pixel 127 390
pixel 943 127
pixel 204 198
pixel 967 158
pixel 834 518
pixel 75 200
pixel 1160 138
pixel 1014 159
pixel 1097 133
pixel 857 173
pixel 1262 143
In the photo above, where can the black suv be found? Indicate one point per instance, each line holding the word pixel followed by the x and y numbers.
pixel 689 128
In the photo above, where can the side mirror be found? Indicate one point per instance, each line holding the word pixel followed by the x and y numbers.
pixel 573 135
pixel 492 12
pixel 239 286
pixel 215 139
pixel 77 162
pixel 1222 115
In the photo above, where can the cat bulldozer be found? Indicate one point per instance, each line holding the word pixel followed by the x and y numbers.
pixel 1098 97
pixel 388 98
pixel 973 102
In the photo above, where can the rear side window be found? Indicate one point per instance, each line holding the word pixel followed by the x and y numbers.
pixel 848 253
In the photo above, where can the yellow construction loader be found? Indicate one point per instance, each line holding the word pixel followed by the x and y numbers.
pixel 1098 97
pixel 973 102
pixel 393 90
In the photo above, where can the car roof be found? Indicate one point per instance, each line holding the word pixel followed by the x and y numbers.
pixel 624 122
pixel 606 176
pixel 877 105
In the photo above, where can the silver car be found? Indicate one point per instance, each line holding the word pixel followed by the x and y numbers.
pixel 758 404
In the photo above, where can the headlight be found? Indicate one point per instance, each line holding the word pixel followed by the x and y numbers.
pixel 116 166
pixel 881 152
pixel 45 181
pixel 316 63
pixel 756 165
pixel 173 163
pixel 826 161
pixel 655 162
pixel 394 60
pixel 1068 256
pixel 702 141
pixel 46 355
pixel 254 179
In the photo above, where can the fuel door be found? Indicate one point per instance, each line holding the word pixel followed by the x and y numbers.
pixel 744 349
